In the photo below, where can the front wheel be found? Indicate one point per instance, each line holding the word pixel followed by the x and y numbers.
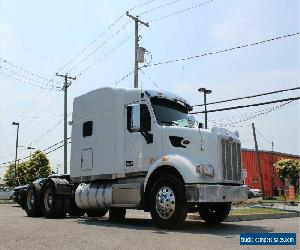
pixel 168 206
pixel 214 213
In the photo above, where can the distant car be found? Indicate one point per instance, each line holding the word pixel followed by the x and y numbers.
pixel 5 193
pixel 254 192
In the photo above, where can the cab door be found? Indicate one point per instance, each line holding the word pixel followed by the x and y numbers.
pixel 142 141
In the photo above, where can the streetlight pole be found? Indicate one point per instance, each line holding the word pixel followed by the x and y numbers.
pixel 30 148
pixel 205 92
pixel 17 142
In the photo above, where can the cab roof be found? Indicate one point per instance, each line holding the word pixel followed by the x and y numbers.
pixel 169 96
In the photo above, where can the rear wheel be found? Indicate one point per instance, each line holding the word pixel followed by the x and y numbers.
pixel 168 206
pixel 214 213
pixel 96 213
pixel 53 205
pixel 32 204
pixel 117 214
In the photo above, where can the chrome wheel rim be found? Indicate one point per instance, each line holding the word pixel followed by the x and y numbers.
pixel 165 202
pixel 30 199
pixel 48 199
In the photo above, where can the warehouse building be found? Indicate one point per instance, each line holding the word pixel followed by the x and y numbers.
pixel 268 158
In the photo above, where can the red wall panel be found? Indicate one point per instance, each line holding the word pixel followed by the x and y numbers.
pixel 268 159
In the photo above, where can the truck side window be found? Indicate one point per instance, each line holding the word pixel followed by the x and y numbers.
pixel 87 128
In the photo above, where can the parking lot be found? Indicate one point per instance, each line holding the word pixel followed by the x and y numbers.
pixel 21 232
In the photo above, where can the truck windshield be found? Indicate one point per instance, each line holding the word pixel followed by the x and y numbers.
pixel 170 113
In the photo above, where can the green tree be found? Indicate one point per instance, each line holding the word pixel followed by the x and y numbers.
pixel 288 168
pixel 38 166
pixel 28 171
pixel 9 176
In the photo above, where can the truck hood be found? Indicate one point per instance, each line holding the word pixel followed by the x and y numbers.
pixel 198 147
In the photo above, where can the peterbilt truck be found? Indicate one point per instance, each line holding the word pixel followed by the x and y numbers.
pixel 137 149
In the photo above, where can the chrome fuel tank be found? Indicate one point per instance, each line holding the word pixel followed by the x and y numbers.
pixel 94 195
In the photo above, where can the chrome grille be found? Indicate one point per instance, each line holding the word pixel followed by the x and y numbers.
pixel 231 160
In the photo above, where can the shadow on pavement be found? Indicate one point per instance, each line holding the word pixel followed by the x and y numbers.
pixel 228 230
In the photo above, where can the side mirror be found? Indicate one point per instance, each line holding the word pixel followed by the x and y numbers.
pixel 135 123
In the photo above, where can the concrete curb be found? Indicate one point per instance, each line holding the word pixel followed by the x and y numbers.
pixel 250 217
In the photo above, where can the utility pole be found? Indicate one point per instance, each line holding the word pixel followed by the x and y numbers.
pixel 205 92
pixel 65 89
pixel 258 163
pixel 17 142
pixel 272 170
pixel 137 21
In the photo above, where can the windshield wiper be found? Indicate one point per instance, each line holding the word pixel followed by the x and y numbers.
pixel 168 122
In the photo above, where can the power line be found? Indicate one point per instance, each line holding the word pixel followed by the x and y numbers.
pixel 48 131
pixel 251 116
pixel 181 11
pixel 158 7
pixel 141 5
pixel 91 43
pixel 222 51
pixel 123 78
pixel 247 97
pixel 22 81
pixel 26 71
pixel 246 106
pixel 29 79
pixel 26 117
pixel 105 55
pixel 148 77
pixel 82 51
pixel 43 150
pixel 55 144
pixel 97 48
pixel 263 137
pixel 56 149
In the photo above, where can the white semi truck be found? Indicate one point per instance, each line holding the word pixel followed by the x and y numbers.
pixel 135 149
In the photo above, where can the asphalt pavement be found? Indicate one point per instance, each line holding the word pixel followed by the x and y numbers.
pixel 17 231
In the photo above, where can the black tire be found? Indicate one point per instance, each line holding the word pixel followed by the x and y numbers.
pixel 168 206
pixel 117 214
pixel 22 197
pixel 75 210
pixel 52 203
pixel 96 213
pixel 250 195
pixel 32 203
pixel 214 213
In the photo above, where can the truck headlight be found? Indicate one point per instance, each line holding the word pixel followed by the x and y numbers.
pixel 205 169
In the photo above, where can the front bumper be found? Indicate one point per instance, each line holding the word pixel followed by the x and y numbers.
pixel 215 193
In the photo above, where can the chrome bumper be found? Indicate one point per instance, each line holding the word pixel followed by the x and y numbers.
pixel 215 193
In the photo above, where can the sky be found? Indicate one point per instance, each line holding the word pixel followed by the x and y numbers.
pixel 42 36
